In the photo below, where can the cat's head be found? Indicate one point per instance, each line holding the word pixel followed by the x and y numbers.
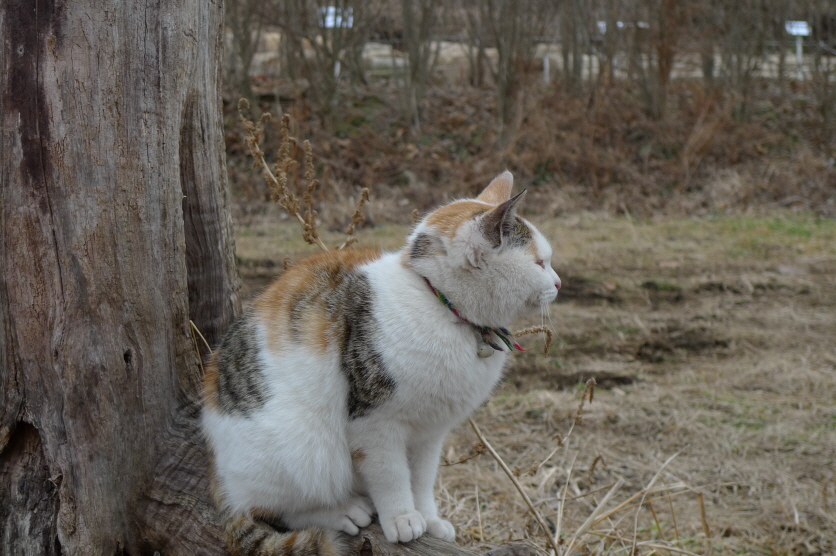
pixel 490 263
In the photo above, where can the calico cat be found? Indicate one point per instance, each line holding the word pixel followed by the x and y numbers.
pixel 328 401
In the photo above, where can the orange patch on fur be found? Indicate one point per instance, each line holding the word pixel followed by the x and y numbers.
pixel 358 456
pixel 210 383
pixel 448 218
pixel 289 542
pixel 499 190
pixel 302 289
pixel 531 249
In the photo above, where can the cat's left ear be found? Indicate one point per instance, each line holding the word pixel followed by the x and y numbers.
pixel 500 221
pixel 499 190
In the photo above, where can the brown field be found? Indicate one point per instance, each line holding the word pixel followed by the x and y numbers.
pixel 713 424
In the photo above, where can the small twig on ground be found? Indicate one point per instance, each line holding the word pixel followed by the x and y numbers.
pixel 479 514
pixel 673 513
pixel 561 508
pixel 539 518
pixel 656 520
pixel 588 393
pixel 593 518
pixel 705 529
pixel 477 451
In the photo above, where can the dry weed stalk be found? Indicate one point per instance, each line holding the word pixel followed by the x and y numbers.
pixel 604 510
pixel 588 392
pixel 477 450
pixel 547 332
pixel 286 164
pixel 539 518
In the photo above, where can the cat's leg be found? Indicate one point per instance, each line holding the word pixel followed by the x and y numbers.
pixel 384 469
pixel 424 455
pixel 348 518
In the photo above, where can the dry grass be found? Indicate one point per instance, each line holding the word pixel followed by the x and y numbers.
pixel 711 340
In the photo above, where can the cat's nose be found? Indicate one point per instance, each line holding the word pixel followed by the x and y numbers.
pixel 557 282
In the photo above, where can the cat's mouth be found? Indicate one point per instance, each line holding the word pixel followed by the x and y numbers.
pixel 541 301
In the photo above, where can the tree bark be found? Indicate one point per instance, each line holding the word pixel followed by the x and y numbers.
pixel 115 233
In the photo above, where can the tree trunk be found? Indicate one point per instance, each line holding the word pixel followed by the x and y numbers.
pixel 115 234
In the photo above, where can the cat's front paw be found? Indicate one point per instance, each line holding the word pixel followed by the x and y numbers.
pixel 360 511
pixel 441 529
pixel 403 528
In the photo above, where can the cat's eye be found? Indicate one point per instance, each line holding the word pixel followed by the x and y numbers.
pixel 541 263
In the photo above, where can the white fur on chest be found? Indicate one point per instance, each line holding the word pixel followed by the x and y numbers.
pixel 428 351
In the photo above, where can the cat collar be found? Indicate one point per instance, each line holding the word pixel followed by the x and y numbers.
pixel 486 331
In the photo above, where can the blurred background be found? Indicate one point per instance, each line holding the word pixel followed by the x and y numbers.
pixel 638 105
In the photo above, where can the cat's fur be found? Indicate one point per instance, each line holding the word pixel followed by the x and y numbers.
pixel 328 401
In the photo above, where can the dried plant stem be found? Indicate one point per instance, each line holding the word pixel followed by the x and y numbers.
pixel 673 513
pixel 195 333
pixel 479 514
pixel 197 349
pixel 705 529
pixel 278 184
pixel 656 520
pixel 656 499
pixel 540 521
pixel 562 506
pixel 533 330
pixel 478 450
pixel 588 393
pixel 594 518
pixel 655 546
pixel 195 329
pixel 357 218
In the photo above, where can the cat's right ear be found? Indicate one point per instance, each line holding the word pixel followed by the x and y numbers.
pixel 499 190
pixel 499 222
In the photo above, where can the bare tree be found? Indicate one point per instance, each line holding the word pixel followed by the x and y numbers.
pixel 513 28
pixel 419 17
pixel 322 41
pixel 575 41
pixel 653 42
pixel 740 33
pixel 245 21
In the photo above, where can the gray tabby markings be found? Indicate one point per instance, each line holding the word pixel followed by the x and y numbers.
pixel 240 376
pixel 422 246
pixel 369 385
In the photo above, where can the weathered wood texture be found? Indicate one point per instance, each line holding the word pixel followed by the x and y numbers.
pixel 370 542
pixel 114 233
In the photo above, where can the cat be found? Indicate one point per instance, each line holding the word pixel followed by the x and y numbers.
pixel 328 401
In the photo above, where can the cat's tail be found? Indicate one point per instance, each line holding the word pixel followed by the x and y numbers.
pixel 248 537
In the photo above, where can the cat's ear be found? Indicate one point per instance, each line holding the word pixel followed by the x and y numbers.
pixel 499 222
pixel 490 230
pixel 499 190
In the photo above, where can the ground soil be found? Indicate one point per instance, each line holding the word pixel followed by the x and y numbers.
pixel 713 345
